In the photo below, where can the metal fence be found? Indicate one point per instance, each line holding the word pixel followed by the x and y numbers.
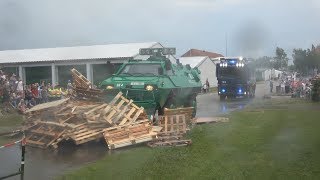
pixel 22 143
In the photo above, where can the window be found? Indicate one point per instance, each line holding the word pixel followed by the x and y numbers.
pixel 141 69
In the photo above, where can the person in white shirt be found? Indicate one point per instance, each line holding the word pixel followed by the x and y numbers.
pixel 20 86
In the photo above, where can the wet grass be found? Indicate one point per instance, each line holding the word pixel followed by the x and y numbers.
pixel 271 144
pixel 8 122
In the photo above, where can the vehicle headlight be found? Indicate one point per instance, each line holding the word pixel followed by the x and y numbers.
pixel 149 88
pixel 109 87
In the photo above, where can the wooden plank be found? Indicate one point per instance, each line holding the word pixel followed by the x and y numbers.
pixel 127 117
pixel 35 142
pixel 127 125
pixel 135 117
pixel 55 138
pixel 88 139
pixel 121 103
pixel 39 131
pixel 121 114
pixel 170 143
pixel 96 108
pixel 211 120
pixel 44 106
pixel 87 136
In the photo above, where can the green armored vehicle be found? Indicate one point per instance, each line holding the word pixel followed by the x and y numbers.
pixel 155 83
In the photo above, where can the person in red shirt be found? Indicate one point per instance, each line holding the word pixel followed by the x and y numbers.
pixel 35 92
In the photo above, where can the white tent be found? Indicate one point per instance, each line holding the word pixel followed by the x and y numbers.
pixel 205 65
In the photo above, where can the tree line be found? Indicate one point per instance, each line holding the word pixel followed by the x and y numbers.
pixel 304 60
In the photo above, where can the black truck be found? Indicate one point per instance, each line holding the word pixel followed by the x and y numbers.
pixel 236 78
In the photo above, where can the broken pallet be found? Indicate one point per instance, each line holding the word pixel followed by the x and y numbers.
pixel 140 132
pixel 43 134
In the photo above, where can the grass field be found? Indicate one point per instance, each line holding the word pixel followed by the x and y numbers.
pixel 282 142
pixel 8 122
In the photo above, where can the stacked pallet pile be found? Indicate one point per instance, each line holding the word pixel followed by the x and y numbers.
pixel 80 119
pixel 83 118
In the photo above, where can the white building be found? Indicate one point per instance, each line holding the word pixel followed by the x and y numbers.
pixel 205 65
pixel 267 74
pixel 93 61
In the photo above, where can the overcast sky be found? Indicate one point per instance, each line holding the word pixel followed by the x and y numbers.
pixel 251 27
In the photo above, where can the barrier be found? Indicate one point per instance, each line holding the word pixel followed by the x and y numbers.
pixel 22 142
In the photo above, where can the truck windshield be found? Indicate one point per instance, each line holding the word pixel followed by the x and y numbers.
pixel 232 72
pixel 141 69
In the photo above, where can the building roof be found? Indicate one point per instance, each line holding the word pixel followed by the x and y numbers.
pixel 197 52
pixel 195 61
pixel 108 51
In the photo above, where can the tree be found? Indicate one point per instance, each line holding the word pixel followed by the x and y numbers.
pixel 300 60
pixel 281 60
pixel 306 61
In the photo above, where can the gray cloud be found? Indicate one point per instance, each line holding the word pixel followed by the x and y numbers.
pixel 183 23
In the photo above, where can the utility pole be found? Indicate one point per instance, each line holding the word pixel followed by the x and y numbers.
pixel 226 44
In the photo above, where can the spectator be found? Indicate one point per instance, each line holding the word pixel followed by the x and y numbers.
pixel 205 88
pixel 13 99
pixel 22 106
pixel 282 86
pixel 69 85
pixel 44 94
pixel 35 92
pixel 28 94
pixel 32 103
pixel 20 86
pixel 271 86
pixel 208 85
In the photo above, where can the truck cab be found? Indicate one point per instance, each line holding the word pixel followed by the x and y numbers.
pixel 236 78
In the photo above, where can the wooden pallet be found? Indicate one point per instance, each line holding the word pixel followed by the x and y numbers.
pixel 43 134
pixel 117 137
pixel 186 111
pixel 173 129
pixel 173 124
pixel 88 92
pixel 119 111
pixel 79 80
pixel 83 134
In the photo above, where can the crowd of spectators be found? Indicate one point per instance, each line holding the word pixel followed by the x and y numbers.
pixel 289 84
pixel 16 94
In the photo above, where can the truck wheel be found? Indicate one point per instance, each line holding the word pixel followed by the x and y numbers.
pixel 222 98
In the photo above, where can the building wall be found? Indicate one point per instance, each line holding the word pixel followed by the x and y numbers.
pixel 208 70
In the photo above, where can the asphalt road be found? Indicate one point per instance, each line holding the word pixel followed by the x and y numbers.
pixel 209 104
pixel 46 164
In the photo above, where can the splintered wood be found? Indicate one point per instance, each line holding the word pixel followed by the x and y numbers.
pixel 44 134
pixel 78 120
